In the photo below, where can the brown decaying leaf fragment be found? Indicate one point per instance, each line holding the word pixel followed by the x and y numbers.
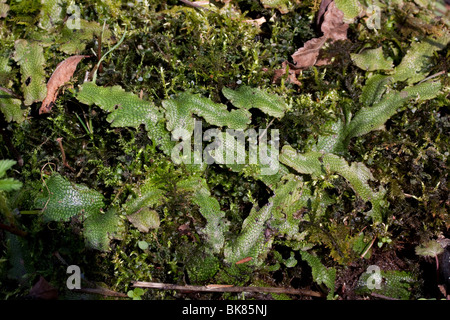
pixel 63 73
pixel 43 290
pixel 333 26
pixel 322 9
pixel 333 29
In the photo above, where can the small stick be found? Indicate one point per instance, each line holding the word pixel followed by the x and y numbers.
pixel 221 288
pixel 433 76
pixel 13 230
pixel 192 4
pixel 376 295
pixel 8 91
pixel 102 291
pixel 368 248
pixel 99 52
pixel 265 131
pixel 65 163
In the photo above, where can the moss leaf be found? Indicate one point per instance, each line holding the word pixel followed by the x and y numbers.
pixel 372 59
pixel 100 228
pixel 62 200
pixel 29 55
pixel 320 273
pixel 145 219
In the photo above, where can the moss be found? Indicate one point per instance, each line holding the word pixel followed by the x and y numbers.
pixel 172 50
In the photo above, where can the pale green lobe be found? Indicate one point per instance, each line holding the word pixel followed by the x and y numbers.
pixel 4 8
pixel 250 243
pixel 8 184
pixel 9 105
pixel 6 165
pixel 357 174
pixel 11 108
pixel 372 59
pixel 29 55
pixel 282 5
pixel 127 110
pixel 415 64
pixel 371 118
pixel 138 207
pixel 350 8
pixel 334 141
pixel 431 248
pixel 60 200
pixel 246 98
pixel 209 208
pixel 179 112
pixel 73 41
pixel 145 220
pixel 374 89
pixel 100 228
pixel 290 197
pixel 320 273
pixel 147 196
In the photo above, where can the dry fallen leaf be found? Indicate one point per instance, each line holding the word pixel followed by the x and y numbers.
pixel 333 28
pixel 306 56
pixel 63 73
pixel 43 290
pixel 322 9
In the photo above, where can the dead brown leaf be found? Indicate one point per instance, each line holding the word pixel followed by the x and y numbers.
pixel 43 290
pixel 306 56
pixel 333 28
pixel 322 9
pixel 62 74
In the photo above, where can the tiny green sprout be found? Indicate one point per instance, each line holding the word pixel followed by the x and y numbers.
pixel 430 249
pixel 384 240
pixel 136 293
pixel 143 245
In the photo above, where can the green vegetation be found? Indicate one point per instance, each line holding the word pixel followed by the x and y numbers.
pixel 356 177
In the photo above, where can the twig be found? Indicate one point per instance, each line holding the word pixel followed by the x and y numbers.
pixel 65 163
pixel 226 288
pixel 368 248
pixel 102 291
pixel 8 91
pixel 433 76
pixel 94 76
pixel 195 5
pixel 99 49
pixel 376 295
pixel 265 131
pixel 13 230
